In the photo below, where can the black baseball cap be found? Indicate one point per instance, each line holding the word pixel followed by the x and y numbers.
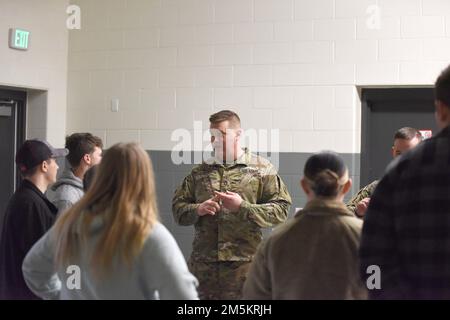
pixel 34 152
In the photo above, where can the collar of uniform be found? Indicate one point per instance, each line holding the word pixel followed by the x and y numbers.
pixel 325 207
pixel 244 159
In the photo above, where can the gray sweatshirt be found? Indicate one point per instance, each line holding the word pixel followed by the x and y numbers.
pixel 65 192
pixel 159 272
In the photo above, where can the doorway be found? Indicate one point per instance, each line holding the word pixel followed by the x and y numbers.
pixel 384 111
pixel 12 135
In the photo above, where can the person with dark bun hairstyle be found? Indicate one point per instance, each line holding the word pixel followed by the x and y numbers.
pixel 315 254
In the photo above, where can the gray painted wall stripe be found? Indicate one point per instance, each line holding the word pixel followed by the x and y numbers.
pixel 168 176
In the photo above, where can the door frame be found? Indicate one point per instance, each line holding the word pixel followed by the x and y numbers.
pixel 19 101
pixel 371 95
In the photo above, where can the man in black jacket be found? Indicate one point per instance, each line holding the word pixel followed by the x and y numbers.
pixel 28 216
pixel 405 245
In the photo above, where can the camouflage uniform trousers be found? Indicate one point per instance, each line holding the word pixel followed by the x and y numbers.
pixel 221 280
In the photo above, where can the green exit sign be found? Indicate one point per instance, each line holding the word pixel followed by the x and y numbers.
pixel 19 38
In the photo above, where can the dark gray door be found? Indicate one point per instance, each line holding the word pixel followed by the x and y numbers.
pixel 384 112
pixel 12 125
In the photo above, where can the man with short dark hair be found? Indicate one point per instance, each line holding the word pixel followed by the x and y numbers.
pixel 406 232
pixel 405 139
pixel 28 216
pixel 85 151
pixel 228 199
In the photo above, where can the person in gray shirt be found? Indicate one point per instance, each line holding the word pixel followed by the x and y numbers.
pixel 110 245
pixel 85 151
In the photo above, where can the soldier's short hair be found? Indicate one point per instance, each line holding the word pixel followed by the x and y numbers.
pixel 442 87
pixel 225 115
pixel 407 133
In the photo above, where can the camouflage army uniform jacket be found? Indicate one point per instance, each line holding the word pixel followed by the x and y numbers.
pixel 365 192
pixel 231 236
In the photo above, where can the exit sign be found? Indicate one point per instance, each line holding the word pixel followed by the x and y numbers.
pixel 19 38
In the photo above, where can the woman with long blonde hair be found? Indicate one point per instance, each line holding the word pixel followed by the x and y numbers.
pixel 110 244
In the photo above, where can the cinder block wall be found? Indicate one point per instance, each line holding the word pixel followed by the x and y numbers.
pixel 292 65
pixel 42 69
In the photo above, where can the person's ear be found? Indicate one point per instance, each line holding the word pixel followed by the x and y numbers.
pixel 44 166
pixel 305 186
pixel 393 151
pixel 347 186
pixel 87 159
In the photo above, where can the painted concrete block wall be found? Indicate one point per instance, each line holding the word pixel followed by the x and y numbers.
pixel 42 70
pixel 290 65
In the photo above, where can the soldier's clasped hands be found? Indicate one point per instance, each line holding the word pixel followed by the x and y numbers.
pixel 209 206
pixel 230 200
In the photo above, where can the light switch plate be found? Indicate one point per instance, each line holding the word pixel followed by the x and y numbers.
pixel 115 105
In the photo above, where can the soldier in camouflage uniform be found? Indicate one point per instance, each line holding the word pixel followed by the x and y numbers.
pixel 362 198
pixel 228 202
pixel 404 140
